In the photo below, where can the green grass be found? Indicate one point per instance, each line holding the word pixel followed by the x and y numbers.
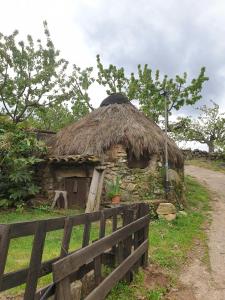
pixel 214 165
pixel 20 248
pixel 135 290
pixel 170 243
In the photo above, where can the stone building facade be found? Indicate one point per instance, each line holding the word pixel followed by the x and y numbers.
pixel 137 183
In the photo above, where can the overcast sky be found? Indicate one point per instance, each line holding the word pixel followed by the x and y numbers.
pixel 170 35
pixel 173 35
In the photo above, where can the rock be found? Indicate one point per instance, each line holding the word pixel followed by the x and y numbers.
pixel 131 187
pixel 166 209
pixel 76 290
pixel 170 217
pixel 88 283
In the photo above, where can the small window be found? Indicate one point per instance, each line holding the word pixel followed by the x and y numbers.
pixel 140 163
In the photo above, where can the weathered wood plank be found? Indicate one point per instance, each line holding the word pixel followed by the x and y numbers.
pixel 114 222
pixel 102 225
pixel 110 281
pixel 16 278
pixel 99 190
pixel 98 269
pixel 66 237
pixel 93 192
pixel 127 243
pixel 63 290
pixel 22 229
pixel 86 234
pixel 69 264
pixel 35 262
pixel 4 247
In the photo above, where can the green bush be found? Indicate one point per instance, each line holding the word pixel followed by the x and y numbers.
pixel 19 152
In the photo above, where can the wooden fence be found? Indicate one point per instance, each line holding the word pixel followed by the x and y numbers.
pixel 39 229
pixel 131 244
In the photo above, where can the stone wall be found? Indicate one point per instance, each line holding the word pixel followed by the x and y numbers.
pixel 136 184
pixel 199 154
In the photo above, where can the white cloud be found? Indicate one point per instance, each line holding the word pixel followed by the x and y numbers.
pixel 172 35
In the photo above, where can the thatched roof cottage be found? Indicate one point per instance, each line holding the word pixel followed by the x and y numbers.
pixel 126 141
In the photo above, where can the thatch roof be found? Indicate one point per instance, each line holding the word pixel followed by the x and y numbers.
pixel 113 124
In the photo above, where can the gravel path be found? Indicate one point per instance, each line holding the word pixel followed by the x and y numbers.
pixel 204 284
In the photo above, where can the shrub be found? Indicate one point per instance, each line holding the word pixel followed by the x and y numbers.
pixel 19 152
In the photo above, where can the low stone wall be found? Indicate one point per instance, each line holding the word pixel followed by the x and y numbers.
pixel 199 154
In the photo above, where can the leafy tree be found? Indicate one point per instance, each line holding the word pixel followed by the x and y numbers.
pixel 208 128
pixel 115 80
pixel 152 89
pixel 32 76
pixel 19 152
pixel 149 88
pixel 53 118
pixel 80 81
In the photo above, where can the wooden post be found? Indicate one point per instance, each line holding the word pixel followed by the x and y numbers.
pixel 63 290
pixel 35 261
pixel 99 190
pixel 66 236
pixel 127 244
pixel 93 192
pixel 86 234
pixel 4 247
pixel 102 225
pixel 97 269
pixel 143 235
pixel 94 197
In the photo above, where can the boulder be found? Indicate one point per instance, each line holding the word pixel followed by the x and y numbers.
pixel 169 217
pixel 166 209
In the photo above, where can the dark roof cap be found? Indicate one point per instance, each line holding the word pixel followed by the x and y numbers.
pixel 115 98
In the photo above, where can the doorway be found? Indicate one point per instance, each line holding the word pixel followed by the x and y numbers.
pixel 77 191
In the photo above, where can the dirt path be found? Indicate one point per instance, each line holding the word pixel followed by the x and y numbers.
pixel 205 284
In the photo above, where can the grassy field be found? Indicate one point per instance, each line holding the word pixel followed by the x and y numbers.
pixel 208 164
pixel 170 243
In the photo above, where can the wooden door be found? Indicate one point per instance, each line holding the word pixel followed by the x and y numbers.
pixel 77 191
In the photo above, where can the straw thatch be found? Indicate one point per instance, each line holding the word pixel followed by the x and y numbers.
pixel 110 125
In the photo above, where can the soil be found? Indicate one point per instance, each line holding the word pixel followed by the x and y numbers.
pixel 199 281
pixel 155 277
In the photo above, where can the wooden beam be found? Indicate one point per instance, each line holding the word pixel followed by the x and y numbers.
pixel 99 190
pixel 93 192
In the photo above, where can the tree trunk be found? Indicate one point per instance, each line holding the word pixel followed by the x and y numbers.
pixel 211 147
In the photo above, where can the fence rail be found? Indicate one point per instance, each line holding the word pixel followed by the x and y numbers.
pixel 63 268
pixel 39 229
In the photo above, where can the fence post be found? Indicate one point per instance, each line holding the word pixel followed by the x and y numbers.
pixel 128 218
pixel 35 261
pixel 4 247
pixel 86 234
pixel 66 236
pixel 144 210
